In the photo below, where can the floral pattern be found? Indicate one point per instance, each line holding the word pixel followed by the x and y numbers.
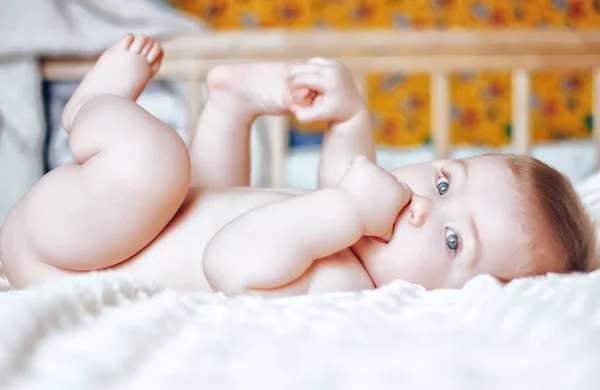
pixel 481 109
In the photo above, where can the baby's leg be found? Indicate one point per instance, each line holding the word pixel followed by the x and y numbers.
pixel 130 177
pixel 238 94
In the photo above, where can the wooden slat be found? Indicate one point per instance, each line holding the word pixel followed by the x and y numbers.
pixel 475 63
pixel 381 42
pixel 194 105
pixel 520 112
pixel 360 83
pixel 277 128
pixel 74 70
pixel 440 114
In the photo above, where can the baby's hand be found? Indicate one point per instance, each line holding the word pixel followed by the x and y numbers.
pixel 378 195
pixel 333 96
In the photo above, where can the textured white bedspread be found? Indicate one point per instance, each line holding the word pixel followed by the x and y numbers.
pixel 107 331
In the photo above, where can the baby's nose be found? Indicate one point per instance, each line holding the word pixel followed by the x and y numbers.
pixel 419 209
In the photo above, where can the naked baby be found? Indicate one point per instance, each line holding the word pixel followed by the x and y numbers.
pixel 137 200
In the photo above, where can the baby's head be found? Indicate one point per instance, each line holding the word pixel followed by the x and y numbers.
pixel 506 216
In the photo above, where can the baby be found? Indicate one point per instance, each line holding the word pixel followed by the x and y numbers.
pixel 136 200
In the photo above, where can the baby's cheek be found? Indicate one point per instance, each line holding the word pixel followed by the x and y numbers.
pixel 426 261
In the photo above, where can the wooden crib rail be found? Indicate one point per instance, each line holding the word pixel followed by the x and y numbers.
pixel 374 50
pixel 438 53
pixel 372 43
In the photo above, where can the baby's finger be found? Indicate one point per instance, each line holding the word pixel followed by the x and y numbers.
pixel 309 80
pixel 309 114
pixel 303 97
pixel 304 68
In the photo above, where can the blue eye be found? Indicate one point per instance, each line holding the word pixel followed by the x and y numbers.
pixel 442 185
pixel 452 240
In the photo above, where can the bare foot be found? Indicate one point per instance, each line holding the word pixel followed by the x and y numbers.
pixel 256 89
pixel 123 70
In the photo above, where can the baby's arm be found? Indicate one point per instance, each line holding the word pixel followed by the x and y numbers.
pixel 269 248
pixel 338 102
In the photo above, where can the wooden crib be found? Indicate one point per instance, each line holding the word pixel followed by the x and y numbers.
pixel 438 53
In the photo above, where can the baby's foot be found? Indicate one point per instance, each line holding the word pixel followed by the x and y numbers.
pixel 256 89
pixel 123 70
pixel 334 94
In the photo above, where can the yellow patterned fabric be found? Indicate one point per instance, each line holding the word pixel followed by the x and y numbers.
pixel 481 108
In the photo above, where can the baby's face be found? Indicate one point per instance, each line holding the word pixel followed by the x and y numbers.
pixel 465 218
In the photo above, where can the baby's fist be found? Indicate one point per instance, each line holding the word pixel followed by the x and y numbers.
pixel 333 96
pixel 377 194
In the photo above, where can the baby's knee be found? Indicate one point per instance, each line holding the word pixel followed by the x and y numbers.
pixel 159 161
pixel 167 153
pixel 134 142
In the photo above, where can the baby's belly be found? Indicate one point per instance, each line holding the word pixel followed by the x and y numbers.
pixel 174 257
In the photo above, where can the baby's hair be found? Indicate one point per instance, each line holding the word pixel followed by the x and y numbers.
pixel 570 242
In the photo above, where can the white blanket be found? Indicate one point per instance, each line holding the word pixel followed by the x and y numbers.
pixel 104 331
pixel 107 331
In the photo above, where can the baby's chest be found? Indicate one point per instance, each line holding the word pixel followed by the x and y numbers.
pixel 341 271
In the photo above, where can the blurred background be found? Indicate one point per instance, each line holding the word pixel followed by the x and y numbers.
pixel 561 101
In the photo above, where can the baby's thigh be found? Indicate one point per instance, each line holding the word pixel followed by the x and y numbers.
pixel 26 266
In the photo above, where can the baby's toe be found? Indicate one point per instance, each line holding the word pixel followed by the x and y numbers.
pixel 138 44
pixel 154 52
pixel 147 47
pixel 125 42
